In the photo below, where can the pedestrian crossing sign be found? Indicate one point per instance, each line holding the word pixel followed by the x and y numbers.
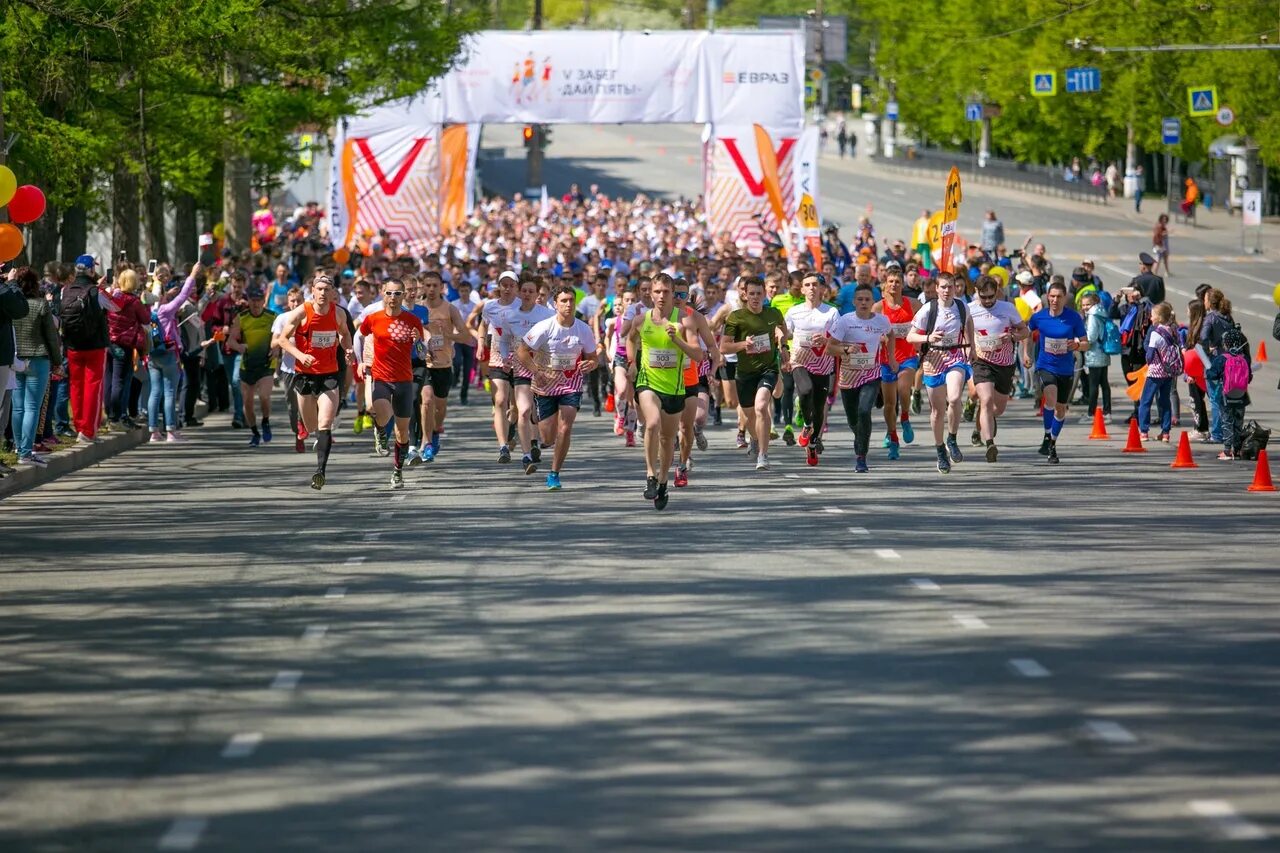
pixel 1202 100
pixel 1044 83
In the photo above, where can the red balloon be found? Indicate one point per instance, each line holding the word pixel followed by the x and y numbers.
pixel 27 205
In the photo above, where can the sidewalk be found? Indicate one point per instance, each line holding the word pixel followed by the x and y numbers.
pixel 73 458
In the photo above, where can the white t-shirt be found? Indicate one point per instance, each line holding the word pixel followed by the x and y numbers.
pixel 808 328
pixel 516 324
pixel 863 337
pixel 991 329
pixel 493 315
pixel 948 323
pixel 286 359
pixel 559 349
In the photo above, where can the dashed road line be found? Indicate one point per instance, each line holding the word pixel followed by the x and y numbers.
pixel 925 584
pixel 887 554
pixel 1226 822
pixel 336 592
pixel 1028 668
pixel 314 633
pixel 969 622
pixel 355 561
pixel 242 745
pixel 183 834
pixel 834 510
pixel 859 531
pixel 286 679
pixel 809 490
pixel 1109 731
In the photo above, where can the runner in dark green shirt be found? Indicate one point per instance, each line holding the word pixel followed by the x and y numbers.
pixel 755 333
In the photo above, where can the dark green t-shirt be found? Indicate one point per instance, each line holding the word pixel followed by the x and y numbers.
pixel 742 325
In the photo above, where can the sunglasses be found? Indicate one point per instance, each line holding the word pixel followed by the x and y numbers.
pixel 679 295
pixel 393 293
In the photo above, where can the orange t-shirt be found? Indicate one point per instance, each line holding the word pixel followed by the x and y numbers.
pixel 393 339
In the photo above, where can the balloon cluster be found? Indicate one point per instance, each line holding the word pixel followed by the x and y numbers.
pixel 26 204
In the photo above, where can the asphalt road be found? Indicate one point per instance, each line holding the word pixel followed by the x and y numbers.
pixel 199 652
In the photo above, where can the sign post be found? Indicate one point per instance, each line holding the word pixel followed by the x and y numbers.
pixel 950 213
pixel 1251 217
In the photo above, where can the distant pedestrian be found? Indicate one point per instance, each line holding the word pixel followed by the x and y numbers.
pixel 1139 186
pixel 992 233
pixel 1160 244
pixel 1113 179
pixel 842 137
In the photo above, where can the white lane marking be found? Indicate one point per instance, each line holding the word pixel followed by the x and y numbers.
pixel 397 497
pixel 1109 731
pixel 834 510
pixel 314 633
pixel 925 584
pixel 335 592
pixel 809 490
pixel 859 531
pixel 372 536
pixel 355 561
pixel 1226 821
pixel 792 476
pixel 242 745
pixel 1028 668
pixel 888 554
pixel 383 516
pixel 969 621
pixel 1171 289
pixel 286 679
pixel 1246 277
pixel 183 834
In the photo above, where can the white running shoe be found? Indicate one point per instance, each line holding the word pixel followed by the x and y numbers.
pixel 762 462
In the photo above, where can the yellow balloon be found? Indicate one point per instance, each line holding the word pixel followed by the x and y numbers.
pixel 1275 294
pixel 1000 274
pixel 1024 310
pixel 219 231
pixel 8 185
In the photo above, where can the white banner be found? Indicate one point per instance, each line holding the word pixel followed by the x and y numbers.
pixel 805 166
pixel 756 78
pixel 741 184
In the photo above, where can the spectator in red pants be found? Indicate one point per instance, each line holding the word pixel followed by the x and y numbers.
pixel 85 334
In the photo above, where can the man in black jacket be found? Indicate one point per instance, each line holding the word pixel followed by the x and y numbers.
pixel 13 306
pixel 1150 285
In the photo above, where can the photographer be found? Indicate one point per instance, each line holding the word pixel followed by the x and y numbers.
pixel 835 249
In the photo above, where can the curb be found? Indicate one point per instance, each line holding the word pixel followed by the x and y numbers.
pixel 72 459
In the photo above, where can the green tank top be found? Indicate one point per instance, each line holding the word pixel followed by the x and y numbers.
pixel 661 361
pixel 256 334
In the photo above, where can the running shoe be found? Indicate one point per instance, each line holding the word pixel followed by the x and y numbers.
pixel 255 440
pixel 916 403
pixel 975 438
pixel 944 464
pixel 1144 436
pixel 682 476
pixel 860 465
pixel 299 444
pixel 435 442
pixel 716 417
pixel 1053 454
pixel 789 437
pixel 894 451
pixel 816 441
pixel 175 437
pixel 1164 436
pixel 553 482
pixel 156 436
pixel 650 488
pixel 811 456
pixel 317 480
pixel 1224 456
pixel 660 499
pixel 380 443
pixel 397 479
pixel 953 450
pixel 428 453
pixel 535 451
pixel 773 435
pixel 908 432
pixel 741 441
pixel 529 465
pixel 699 438
pixel 887 441
pixel 1044 445
pixel 992 452
pixel 803 440
pixel 33 461
pixel 504 455
pixel 302 431
pixel 970 409
pixel 266 433
pixel 412 456
pixel 617 425
pixel 357 426
pixel 762 462
pixel 631 439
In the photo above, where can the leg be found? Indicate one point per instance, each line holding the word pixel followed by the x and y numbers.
pixel 937 412
pixel 864 400
pixel 156 395
pixel 501 402
pixel 651 415
pixel 957 384
pixel 237 399
pixel 686 421
pixel 524 408
pixel 563 423
pixel 1144 406
pixel 427 412
pixel 763 407
pixel 170 381
pixel 890 391
pixel 986 411
pixel 1164 394
pixel 666 429
pixel 246 396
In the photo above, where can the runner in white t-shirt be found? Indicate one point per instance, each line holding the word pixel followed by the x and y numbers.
pixel 811 364
pixel 858 339
pixel 996 326
pixel 492 334
pixel 946 364
pixel 517 321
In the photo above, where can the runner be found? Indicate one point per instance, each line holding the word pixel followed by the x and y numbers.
pixel 443 328
pixel 311 334
pixel 897 385
pixel 944 325
pixel 621 381
pixel 517 321
pixel 928 293
pixel 662 340
pixel 251 337
pixel 996 326
pixel 697 393
pixel 809 324
pixel 857 340
pixel 641 302
pixel 394 332
pixel 784 396
pixel 559 351
pixel 365 294
pixel 1061 333
pixel 288 371
pixel 728 372
pixel 755 333
pixel 490 328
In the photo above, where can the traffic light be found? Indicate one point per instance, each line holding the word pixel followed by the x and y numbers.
pixel 544 136
pixel 528 136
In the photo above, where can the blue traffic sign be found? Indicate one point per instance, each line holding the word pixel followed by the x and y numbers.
pixel 1171 131
pixel 1084 79
pixel 891 111
pixel 973 111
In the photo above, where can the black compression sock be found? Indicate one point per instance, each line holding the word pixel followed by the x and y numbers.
pixel 399 455
pixel 324 443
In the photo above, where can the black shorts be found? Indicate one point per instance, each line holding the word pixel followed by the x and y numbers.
pixel 255 372
pixel 317 384
pixel 549 407
pixel 441 379
pixel 517 381
pixel 399 393
pixel 1064 384
pixel 727 372
pixel 749 385
pixel 500 374
pixel 999 375
pixel 620 360
pixel 672 404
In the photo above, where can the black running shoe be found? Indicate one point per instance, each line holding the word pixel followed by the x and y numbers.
pixel 944 464
pixel 504 454
pixel 535 451
pixel 650 488
pixel 993 452
pixel 1053 454
pixel 660 501
pixel 953 450
pixel 1044 445
pixel 976 439
pixel 317 480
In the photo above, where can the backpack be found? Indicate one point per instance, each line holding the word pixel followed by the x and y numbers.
pixel 1235 376
pixel 1171 355
pixel 82 318
pixel 1252 439
pixel 932 320
pixel 159 346
pixel 1111 341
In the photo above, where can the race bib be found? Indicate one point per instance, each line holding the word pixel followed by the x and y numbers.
pixel 900 330
pixel 806 340
pixel 1056 346
pixel 564 362
pixel 324 340
pixel 989 343
pixel 662 358
pixel 860 360
pixel 947 341
pixel 436 342
pixel 757 344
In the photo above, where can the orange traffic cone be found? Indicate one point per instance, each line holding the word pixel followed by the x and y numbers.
pixel 1262 353
pixel 1099 427
pixel 1134 444
pixel 1183 459
pixel 1262 475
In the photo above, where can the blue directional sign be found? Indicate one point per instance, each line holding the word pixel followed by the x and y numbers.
pixel 1084 79
pixel 973 111
pixel 1171 131
pixel 891 111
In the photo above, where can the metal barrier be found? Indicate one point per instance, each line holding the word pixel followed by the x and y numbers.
pixel 1003 173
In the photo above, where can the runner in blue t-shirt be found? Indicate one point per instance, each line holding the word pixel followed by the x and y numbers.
pixel 1061 334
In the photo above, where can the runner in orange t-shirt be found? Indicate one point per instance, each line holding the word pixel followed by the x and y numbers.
pixel 395 333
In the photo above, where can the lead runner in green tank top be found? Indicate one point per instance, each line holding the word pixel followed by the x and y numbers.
pixel 251 337
pixel 660 346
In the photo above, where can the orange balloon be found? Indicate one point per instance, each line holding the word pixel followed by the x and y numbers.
pixel 10 242
pixel 342 255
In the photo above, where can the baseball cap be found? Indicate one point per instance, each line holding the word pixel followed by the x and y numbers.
pixel 1146 259
pixel 254 292
pixel 85 263
pixel 1087 262
pixel 893 265
pixel 1025 277
pixel 1080 274
pixel 508 274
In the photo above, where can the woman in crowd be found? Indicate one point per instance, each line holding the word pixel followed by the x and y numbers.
pixel 38 349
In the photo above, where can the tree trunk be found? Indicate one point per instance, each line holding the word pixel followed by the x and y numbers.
pixel 42 239
pixel 186 237
pixel 75 232
pixel 153 198
pixel 237 212
pixel 124 216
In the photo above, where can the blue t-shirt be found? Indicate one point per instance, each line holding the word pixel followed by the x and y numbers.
pixel 276 296
pixel 1054 334
pixel 844 297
